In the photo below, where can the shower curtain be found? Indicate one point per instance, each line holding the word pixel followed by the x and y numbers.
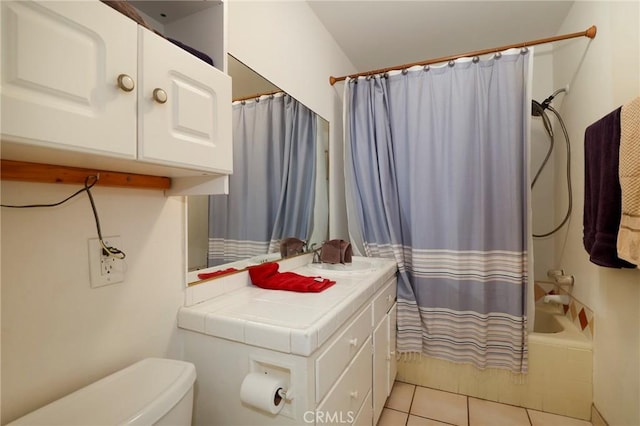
pixel 272 188
pixel 437 178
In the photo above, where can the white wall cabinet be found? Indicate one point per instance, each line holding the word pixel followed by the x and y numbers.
pixel 83 85
pixel 184 108
pixel 60 65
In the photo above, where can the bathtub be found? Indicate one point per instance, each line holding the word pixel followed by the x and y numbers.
pixel 560 365
pixel 559 379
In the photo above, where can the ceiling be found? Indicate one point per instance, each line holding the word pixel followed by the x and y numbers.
pixel 385 33
pixel 380 34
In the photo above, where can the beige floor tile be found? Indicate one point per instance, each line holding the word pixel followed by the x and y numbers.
pixel 421 421
pixel 438 405
pixel 401 397
pixel 392 418
pixel 488 413
pixel 539 418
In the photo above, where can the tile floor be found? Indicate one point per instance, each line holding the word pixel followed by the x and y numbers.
pixel 412 405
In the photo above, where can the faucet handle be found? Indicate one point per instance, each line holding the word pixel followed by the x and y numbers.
pixel 564 280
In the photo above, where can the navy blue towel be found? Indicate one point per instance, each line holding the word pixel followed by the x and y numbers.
pixel 193 51
pixel 602 194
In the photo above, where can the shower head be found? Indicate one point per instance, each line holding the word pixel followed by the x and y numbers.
pixel 538 108
pixel 546 102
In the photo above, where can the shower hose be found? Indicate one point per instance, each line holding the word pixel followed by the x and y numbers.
pixel 538 109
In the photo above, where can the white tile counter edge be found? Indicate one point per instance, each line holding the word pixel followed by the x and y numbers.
pixel 203 300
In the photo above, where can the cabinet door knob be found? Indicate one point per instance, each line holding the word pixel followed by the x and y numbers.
pixel 354 341
pixel 126 83
pixel 354 394
pixel 159 95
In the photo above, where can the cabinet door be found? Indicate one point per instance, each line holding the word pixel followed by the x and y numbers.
pixel 380 370
pixel 392 360
pixel 189 125
pixel 60 68
pixel 385 366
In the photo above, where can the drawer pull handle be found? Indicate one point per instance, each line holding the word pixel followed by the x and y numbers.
pixel 354 341
pixel 126 83
pixel 354 394
pixel 160 96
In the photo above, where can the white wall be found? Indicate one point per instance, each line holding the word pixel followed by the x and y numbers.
pixel 285 43
pixel 58 334
pixel 542 195
pixel 604 74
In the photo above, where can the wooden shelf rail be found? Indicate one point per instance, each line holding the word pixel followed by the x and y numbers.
pixel 49 173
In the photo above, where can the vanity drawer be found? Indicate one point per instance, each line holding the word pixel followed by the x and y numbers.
pixel 344 401
pixel 332 362
pixel 383 301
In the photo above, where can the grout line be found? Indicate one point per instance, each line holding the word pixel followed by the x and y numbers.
pixel 413 396
pixel 468 411
pixel 430 418
pixel 528 416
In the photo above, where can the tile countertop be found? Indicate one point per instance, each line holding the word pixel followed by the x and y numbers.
pixel 286 321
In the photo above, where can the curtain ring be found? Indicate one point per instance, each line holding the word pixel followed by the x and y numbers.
pixel 524 50
pixel 452 63
pixel 426 68
pixel 476 59
pixel 271 96
pixel 498 55
pixel 368 78
pixel 404 71
pixel 386 75
pixel 243 102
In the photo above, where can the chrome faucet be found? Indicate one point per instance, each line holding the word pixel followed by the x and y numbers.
pixel 561 299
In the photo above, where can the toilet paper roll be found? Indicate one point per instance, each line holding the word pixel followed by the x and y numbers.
pixel 261 391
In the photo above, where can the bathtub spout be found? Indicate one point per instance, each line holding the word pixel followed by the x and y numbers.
pixel 562 299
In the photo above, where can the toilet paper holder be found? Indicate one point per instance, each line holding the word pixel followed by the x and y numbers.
pixel 276 369
pixel 286 394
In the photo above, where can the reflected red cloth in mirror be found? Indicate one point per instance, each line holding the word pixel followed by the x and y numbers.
pixel 205 275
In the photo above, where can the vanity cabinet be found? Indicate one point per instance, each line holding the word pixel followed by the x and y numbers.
pixel 370 375
pixel 333 351
pixel 83 85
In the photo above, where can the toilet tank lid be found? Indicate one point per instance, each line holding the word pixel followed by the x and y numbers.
pixel 137 395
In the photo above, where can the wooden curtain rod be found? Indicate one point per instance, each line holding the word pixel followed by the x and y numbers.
pixel 257 95
pixel 590 32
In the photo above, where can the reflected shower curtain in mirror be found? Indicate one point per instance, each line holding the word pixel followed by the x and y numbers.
pixel 437 178
pixel 272 188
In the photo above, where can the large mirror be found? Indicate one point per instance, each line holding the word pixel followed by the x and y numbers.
pixel 279 187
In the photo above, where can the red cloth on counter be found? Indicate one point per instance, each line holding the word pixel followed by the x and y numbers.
pixel 267 276
pixel 205 275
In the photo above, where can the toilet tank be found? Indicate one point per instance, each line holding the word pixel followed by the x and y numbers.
pixel 153 391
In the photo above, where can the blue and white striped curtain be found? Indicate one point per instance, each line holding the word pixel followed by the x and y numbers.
pixel 272 188
pixel 437 178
